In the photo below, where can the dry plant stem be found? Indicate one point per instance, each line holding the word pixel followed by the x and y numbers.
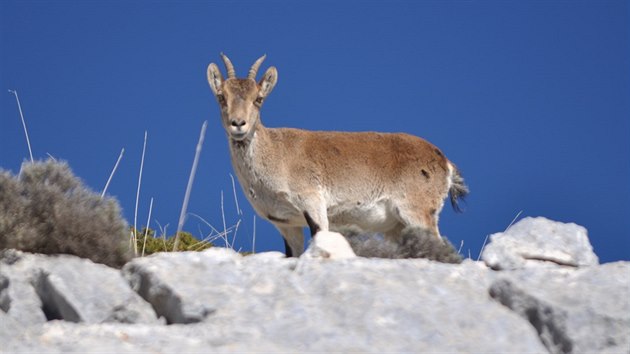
pixel 235 231
pixel 254 236
pixel 135 215
pixel 113 171
pixel 227 241
pixel 191 178
pixel 146 230
pixel 131 239
pixel 238 209
pixel 486 239
pixel 513 220
pixel 162 232
pixel 28 141
pixel 482 247
pixel 197 245
pixel 226 230
pixel 207 223
pixel 211 238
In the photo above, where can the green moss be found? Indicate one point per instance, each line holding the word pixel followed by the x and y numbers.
pixel 165 244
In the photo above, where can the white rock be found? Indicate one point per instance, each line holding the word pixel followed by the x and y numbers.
pixel 330 245
pixel 218 301
pixel 67 287
pixel 539 241
pixel 358 305
pixel 584 310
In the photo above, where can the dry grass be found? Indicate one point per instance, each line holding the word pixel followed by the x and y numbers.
pixel 191 178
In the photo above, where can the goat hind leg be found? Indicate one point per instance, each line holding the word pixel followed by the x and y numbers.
pixel 417 217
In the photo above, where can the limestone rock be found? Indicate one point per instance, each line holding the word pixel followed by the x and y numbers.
pixel 539 241
pixel 329 245
pixel 585 310
pixel 20 301
pixel 66 287
pixel 346 305
pixel 220 301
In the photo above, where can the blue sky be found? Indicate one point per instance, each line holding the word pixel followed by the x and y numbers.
pixel 531 99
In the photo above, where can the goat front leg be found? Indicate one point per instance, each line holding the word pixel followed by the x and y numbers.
pixel 293 240
pixel 316 218
pixel 312 224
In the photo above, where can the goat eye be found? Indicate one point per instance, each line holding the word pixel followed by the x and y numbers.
pixel 258 101
pixel 221 99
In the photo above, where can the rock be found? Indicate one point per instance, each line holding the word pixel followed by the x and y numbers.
pixel 346 305
pixel 534 241
pixel 329 245
pixel 70 288
pixel 172 281
pixel 5 299
pixel 69 337
pixel 19 298
pixel 9 329
pixel 409 306
pixel 586 310
pixel 220 301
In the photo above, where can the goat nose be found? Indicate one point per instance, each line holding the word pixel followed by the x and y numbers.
pixel 237 122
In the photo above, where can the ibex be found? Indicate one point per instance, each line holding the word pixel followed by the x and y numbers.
pixel 377 182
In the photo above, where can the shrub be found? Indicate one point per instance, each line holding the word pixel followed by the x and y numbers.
pixel 46 209
pixel 414 242
pixel 417 242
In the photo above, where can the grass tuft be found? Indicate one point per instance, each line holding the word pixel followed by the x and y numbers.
pixel 150 243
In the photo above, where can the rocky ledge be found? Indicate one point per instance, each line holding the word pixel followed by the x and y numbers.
pixel 538 289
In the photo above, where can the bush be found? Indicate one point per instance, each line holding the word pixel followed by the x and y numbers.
pixel 46 209
pixel 414 242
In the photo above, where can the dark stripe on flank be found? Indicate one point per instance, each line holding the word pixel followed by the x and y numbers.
pixel 275 219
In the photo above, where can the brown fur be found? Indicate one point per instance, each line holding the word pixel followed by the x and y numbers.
pixel 379 181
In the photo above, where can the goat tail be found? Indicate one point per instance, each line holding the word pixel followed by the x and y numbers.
pixel 458 189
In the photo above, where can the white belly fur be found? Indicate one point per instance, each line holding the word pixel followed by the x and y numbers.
pixel 377 216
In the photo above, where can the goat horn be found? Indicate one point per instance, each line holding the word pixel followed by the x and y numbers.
pixel 254 68
pixel 228 65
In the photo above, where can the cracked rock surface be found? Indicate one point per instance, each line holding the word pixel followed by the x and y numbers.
pixel 41 288
pixel 220 301
pixel 574 311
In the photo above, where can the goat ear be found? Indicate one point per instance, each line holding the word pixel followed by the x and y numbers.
pixel 215 79
pixel 267 82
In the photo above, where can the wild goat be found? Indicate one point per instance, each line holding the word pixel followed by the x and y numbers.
pixel 378 182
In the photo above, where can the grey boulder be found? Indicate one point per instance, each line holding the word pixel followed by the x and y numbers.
pixel 38 288
pixel 332 305
pixel 551 300
pixel 584 310
pixel 539 241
